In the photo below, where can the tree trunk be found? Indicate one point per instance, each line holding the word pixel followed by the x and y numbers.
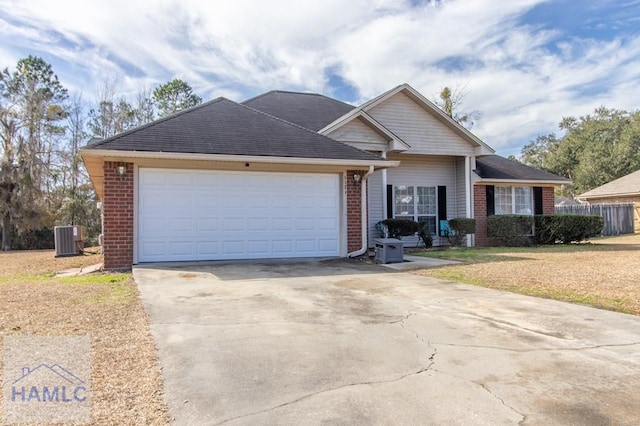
pixel 6 232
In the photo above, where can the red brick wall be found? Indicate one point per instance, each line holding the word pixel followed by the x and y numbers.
pixel 117 208
pixel 548 201
pixel 354 212
pixel 480 214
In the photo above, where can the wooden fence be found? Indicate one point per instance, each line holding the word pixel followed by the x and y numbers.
pixel 618 218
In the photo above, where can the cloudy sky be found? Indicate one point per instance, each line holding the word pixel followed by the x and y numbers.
pixel 523 64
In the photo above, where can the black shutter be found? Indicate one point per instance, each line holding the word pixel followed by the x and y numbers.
pixel 442 206
pixel 491 200
pixel 389 201
pixel 537 200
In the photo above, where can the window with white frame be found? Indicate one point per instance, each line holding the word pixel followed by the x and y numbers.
pixel 513 200
pixel 417 203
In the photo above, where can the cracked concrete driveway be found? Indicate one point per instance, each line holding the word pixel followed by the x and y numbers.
pixel 338 342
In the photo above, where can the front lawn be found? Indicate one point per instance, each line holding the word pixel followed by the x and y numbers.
pixel 126 386
pixel 604 273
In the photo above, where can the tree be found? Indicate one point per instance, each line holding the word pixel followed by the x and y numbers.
pixel 111 115
pixel 174 96
pixel 31 106
pixel 449 101
pixel 595 149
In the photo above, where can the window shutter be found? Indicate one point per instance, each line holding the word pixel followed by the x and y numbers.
pixel 537 200
pixel 389 201
pixel 442 205
pixel 491 200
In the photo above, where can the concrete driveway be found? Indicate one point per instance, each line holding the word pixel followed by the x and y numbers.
pixel 338 342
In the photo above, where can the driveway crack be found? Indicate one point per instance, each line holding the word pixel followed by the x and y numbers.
pixel 489 391
pixel 498 348
pixel 311 395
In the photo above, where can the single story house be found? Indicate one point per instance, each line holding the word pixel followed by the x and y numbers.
pixel 287 174
pixel 622 190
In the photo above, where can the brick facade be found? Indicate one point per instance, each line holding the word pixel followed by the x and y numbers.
pixel 480 215
pixel 548 201
pixel 354 212
pixel 480 212
pixel 117 210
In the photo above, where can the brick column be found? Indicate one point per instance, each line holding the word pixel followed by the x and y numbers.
pixel 354 212
pixel 117 210
pixel 548 201
pixel 480 215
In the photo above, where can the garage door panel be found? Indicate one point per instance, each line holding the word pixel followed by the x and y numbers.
pixel 209 215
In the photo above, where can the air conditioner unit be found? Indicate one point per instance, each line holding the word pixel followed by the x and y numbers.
pixel 69 240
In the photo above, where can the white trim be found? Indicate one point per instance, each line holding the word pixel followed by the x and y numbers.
pixel 344 235
pixel 468 196
pixel 622 194
pixel 384 189
pixel 108 154
pixel 523 182
pixel 135 213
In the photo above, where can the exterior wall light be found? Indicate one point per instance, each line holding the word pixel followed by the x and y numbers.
pixel 356 178
pixel 121 169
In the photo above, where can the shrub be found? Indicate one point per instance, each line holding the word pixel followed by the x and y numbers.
pixel 426 237
pixel 459 228
pixel 32 239
pixel 511 229
pixel 397 228
pixel 566 228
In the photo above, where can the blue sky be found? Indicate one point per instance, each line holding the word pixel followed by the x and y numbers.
pixel 522 64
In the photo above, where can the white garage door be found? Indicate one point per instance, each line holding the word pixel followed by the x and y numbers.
pixel 217 215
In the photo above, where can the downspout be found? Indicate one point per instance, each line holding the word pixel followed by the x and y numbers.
pixel 363 214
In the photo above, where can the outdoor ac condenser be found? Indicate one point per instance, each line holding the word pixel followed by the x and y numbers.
pixel 69 240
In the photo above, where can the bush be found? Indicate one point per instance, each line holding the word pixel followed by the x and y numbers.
pixel 32 239
pixel 460 227
pixel 511 229
pixel 426 237
pixel 566 228
pixel 397 228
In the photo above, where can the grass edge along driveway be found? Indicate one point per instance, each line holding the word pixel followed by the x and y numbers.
pixel 603 273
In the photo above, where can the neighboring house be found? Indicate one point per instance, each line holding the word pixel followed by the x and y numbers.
pixel 564 201
pixel 290 174
pixel 622 190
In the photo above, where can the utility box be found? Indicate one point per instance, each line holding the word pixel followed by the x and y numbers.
pixel 389 250
pixel 69 240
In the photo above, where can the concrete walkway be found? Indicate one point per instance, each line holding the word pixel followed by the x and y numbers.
pixel 338 342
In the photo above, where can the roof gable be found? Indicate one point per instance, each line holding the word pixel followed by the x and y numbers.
pixel 429 107
pixel 626 185
pixel 309 110
pixel 225 127
pixel 495 167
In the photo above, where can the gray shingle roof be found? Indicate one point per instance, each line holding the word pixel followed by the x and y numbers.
pixel 628 184
pixel 225 127
pixel 497 167
pixel 309 110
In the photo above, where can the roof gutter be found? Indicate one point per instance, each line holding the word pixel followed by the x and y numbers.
pixel 116 154
pixel 622 194
pixel 363 215
pixel 524 181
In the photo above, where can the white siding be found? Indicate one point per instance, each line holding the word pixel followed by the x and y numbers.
pixel 461 196
pixel 416 171
pixel 375 205
pixel 420 129
pixel 360 135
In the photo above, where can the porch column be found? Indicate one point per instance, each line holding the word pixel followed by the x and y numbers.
pixel 468 196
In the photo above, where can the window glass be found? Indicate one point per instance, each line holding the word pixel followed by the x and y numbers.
pixel 503 200
pixel 514 200
pixel 418 203
pixel 404 205
pixel 523 200
pixel 426 200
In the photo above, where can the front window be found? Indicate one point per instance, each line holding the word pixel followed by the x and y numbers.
pixel 417 203
pixel 514 200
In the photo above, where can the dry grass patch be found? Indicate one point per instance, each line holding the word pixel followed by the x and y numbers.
pixel 604 274
pixel 126 386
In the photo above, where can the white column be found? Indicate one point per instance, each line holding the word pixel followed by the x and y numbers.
pixel 384 189
pixel 468 194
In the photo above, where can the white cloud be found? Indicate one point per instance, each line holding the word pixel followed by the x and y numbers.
pixel 522 78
